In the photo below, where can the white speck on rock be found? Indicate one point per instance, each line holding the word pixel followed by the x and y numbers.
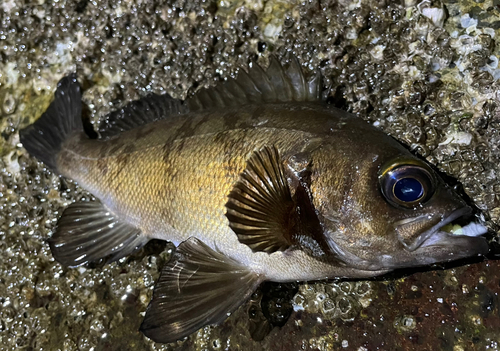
pixel 466 21
pixel 62 54
pixel 272 31
pixel 8 5
pixel 493 62
pixel 435 14
pixel 460 138
pixel 351 33
pixel 354 5
pixel 413 72
pixel 489 31
pixel 12 73
pixel 378 52
pixel 435 66
pixel 11 163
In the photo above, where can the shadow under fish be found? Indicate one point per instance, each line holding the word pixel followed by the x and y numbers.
pixel 257 179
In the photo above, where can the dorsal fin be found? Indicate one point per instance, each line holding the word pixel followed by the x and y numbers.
pixel 276 84
pixel 141 112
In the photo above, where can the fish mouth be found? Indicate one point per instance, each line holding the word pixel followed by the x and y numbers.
pixel 457 230
pixel 453 237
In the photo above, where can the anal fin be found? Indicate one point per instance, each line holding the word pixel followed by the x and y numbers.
pixel 198 287
pixel 88 231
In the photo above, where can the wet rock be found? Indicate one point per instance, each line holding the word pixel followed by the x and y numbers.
pixel 429 84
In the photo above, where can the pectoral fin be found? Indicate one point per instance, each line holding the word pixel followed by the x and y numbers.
pixel 88 231
pixel 199 286
pixel 267 215
pixel 260 208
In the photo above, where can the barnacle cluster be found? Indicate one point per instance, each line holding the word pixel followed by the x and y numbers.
pixel 334 300
pixel 424 71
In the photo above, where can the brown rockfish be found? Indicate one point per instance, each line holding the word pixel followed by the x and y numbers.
pixel 256 179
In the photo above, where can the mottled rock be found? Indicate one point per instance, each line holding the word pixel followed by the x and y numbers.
pixel 428 75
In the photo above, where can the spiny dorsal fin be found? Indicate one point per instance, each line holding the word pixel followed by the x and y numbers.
pixel 88 231
pixel 276 84
pixel 141 112
pixel 260 206
pixel 199 286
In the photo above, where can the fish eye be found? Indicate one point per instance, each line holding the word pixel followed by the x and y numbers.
pixel 407 185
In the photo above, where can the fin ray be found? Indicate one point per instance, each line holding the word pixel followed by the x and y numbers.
pixel 276 84
pixel 199 286
pixel 87 231
pixel 62 119
pixel 260 205
pixel 150 108
pixel 266 217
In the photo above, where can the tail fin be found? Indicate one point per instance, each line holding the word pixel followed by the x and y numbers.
pixel 63 118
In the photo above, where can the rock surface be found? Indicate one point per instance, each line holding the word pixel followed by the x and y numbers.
pixel 425 72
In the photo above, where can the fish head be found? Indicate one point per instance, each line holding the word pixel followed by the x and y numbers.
pixel 393 211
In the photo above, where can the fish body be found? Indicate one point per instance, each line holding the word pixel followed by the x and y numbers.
pixel 256 180
pixel 173 184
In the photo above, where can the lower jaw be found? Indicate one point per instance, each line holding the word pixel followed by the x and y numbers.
pixel 462 248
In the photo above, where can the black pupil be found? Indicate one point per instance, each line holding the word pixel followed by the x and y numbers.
pixel 408 189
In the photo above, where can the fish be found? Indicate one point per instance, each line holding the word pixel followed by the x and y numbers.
pixel 256 179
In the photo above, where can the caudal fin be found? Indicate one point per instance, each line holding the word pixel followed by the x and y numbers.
pixel 62 119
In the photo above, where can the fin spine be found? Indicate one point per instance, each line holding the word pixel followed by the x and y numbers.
pixel 276 84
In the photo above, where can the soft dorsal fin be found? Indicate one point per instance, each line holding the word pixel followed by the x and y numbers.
pixel 276 84
pixel 141 112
